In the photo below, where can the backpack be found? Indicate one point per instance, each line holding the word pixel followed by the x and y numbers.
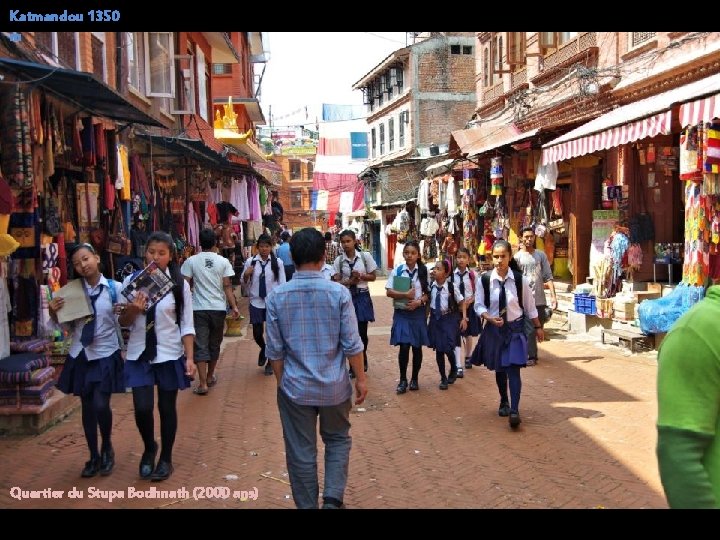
pixel 338 261
pixel 485 277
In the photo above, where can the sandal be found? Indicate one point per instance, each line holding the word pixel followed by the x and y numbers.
pixel 199 391
pixel 212 381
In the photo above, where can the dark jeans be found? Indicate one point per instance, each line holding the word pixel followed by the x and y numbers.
pixel 209 328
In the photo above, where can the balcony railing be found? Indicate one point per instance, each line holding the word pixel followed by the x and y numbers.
pixel 518 78
pixel 493 92
pixel 584 41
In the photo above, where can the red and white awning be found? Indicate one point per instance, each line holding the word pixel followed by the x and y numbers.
pixel 610 138
pixel 639 120
pixel 702 110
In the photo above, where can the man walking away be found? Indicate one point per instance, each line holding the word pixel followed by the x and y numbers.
pixel 535 266
pixel 283 253
pixel 209 276
pixel 310 371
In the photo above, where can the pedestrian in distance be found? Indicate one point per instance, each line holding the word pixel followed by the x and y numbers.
pixel 688 424
pixel 310 371
pixel 409 327
pixel 159 354
pixel 93 367
pixel 503 299
pixel 283 253
pixel 209 277
pixel 261 282
pixel 535 266
pixel 448 318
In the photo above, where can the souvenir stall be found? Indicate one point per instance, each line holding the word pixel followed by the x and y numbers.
pixel 699 170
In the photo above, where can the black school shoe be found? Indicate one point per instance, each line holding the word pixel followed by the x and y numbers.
pixel 91 468
pixel 162 471
pixel 504 409
pixel 147 463
pixel 514 419
pixel 107 462
pixel 414 385
pixel 402 387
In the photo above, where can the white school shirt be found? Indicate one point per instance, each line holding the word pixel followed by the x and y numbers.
pixel 270 282
pixel 444 295
pixel 513 306
pixel 466 280
pixel 328 271
pixel 169 334
pixel 405 272
pixel 342 266
pixel 105 341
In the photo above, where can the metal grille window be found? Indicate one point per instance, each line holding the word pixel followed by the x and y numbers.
pixel 391 134
pixel 44 40
pixel 296 198
pixel 638 38
pixel 382 139
pixel 295 172
pixel 222 69
pixel 67 52
pixel 98 55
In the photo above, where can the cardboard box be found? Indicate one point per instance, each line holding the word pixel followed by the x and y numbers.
pixel 633 286
pixel 646 295
pixel 654 287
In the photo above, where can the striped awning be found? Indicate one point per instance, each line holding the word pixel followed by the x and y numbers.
pixel 645 118
pixel 702 110
pixel 579 145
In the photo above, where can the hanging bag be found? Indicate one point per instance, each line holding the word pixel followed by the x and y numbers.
pixel 118 242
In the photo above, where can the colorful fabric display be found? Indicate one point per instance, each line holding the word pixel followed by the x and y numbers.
pixel 496 176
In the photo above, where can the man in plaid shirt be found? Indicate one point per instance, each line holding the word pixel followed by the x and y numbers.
pixel 332 249
pixel 311 328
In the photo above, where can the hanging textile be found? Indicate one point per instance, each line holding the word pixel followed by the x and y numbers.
pixel 471 221
pixel 15 137
pixel 193 233
pixel 239 198
pixel 496 176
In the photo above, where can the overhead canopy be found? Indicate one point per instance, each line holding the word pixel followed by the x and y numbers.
pixel 81 89
pixel 645 118
pixel 183 145
pixel 499 136
pixel 484 138
pixel 444 164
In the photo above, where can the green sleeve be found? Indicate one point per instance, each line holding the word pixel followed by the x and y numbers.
pixel 684 478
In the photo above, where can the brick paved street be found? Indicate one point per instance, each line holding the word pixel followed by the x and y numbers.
pixel 587 438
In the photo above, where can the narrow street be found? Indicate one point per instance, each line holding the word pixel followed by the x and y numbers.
pixel 586 441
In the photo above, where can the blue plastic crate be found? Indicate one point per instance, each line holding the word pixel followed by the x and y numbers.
pixel 585 304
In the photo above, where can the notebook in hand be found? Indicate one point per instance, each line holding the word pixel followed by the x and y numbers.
pixel 401 284
pixel 77 303
pixel 152 281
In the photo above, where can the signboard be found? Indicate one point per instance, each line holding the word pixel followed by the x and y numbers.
pixel 359 145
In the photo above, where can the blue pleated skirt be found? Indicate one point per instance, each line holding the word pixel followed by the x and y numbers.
pixel 257 315
pixel 166 375
pixel 444 333
pixel 409 327
pixel 79 375
pixel 473 325
pixel 364 310
pixel 500 348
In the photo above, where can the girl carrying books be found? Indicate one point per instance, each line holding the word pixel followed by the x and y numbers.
pixel 447 304
pixel 159 353
pixel 93 368
pixel 409 327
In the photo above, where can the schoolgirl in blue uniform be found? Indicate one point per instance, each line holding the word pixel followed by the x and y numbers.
pixel 93 368
pixel 409 327
pixel 464 279
pixel 159 353
pixel 503 299
pixel 355 269
pixel 447 319
pixel 262 281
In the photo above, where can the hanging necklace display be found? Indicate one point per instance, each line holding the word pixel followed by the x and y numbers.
pixel 496 175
